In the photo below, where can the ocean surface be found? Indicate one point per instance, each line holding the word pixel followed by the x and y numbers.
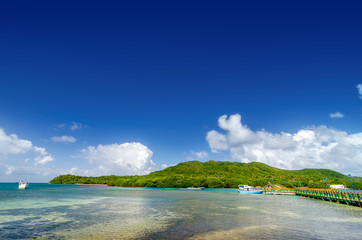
pixel 47 211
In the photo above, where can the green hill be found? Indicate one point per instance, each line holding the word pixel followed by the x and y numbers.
pixel 214 174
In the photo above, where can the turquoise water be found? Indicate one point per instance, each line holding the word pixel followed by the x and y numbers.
pixel 98 212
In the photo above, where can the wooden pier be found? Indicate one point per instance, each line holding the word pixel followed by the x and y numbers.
pixel 344 197
pixel 279 191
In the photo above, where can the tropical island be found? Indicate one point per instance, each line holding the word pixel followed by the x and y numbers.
pixel 220 174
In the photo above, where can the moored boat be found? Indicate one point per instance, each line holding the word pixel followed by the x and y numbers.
pixel 23 185
pixel 339 187
pixel 245 189
pixel 195 188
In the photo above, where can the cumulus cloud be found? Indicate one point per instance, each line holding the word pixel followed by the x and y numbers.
pixel 11 144
pixel 43 157
pixel 20 159
pixel 359 87
pixel 336 115
pixel 120 159
pixel 217 141
pixel 313 147
pixel 198 155
pixel 69 139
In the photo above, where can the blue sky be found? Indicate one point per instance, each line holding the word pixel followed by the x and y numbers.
pixel 105 87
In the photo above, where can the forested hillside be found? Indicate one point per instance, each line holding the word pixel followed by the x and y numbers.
pixel 213 174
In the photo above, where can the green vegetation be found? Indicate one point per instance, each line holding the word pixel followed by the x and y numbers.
pixel 213 174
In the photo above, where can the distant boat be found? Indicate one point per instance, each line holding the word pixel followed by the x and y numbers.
pixel 23 185
pixel 339 187
pixel 195 188
pixel 245 189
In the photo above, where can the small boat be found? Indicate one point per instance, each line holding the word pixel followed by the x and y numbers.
pixel 195 188
pixel 23 185
pixel 245 189
pixel 340 187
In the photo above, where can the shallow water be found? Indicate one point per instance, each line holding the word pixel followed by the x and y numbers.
pixel 98 212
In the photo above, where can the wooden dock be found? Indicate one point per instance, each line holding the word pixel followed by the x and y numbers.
pixel 344 197
pixel 279 191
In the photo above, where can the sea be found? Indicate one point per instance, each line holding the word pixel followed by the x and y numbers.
pixel 48 211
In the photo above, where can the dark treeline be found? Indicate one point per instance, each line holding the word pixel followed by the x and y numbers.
pixel 213 174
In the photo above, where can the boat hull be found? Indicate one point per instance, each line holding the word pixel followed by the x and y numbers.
pixel 197 189
pixel 23 185
pixel 251 192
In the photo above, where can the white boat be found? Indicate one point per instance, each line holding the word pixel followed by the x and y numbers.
pixel 23 185
pixel 195 188
pixel 338 187
pixel 245 189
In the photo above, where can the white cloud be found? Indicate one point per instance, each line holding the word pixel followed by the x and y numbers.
pixel 76 126
pixel 11 144
pixel 73 170
pixel 37 173
pixel 78 172
pixel 43 156
pixel 17 171
pixel 202 154
pixel 120 159
pixel 69 139
pixel 43 159
pixel 336 115
pixel 217 141
pixel 359 87
pixel 313 147
pixel 34 173
pixel 20 159
pixel 163 166
pixel 198 155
